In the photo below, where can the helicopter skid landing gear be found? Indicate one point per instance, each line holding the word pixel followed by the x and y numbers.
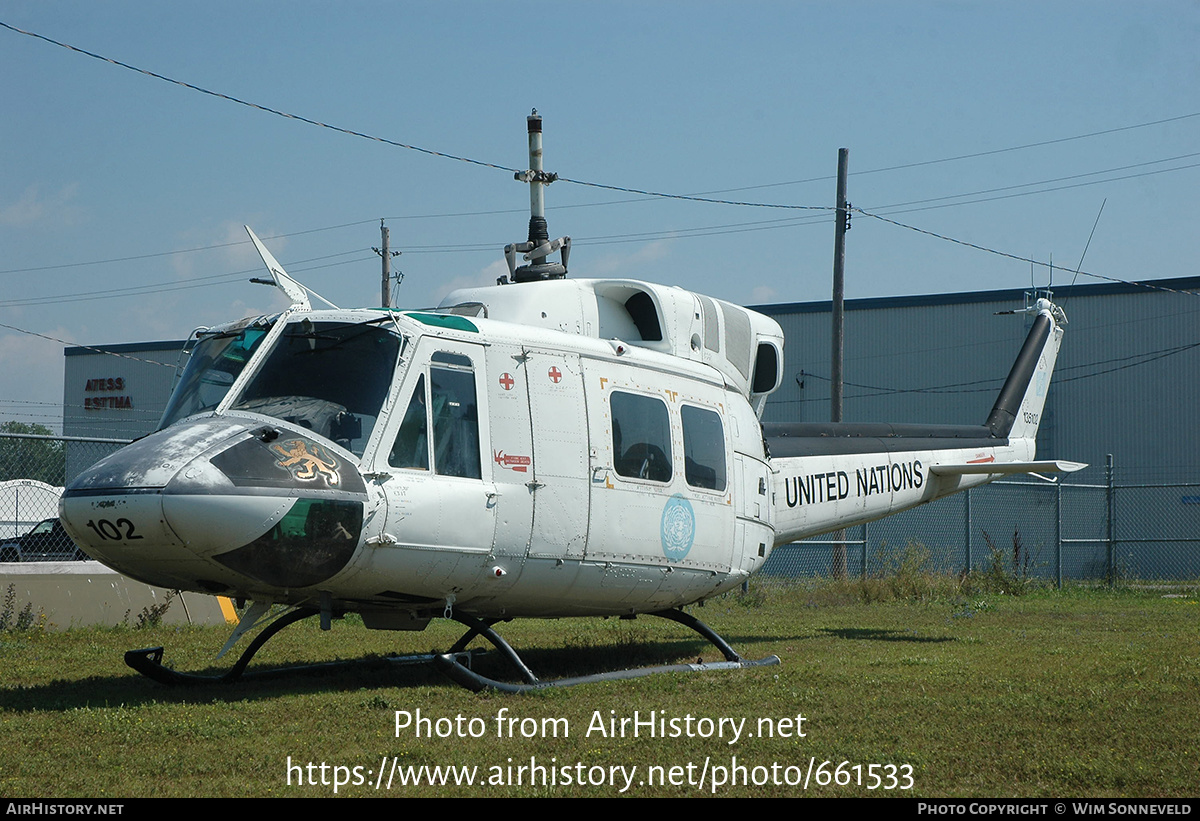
pixel 148 661
pixel 448 663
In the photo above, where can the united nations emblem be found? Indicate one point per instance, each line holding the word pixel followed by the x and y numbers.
pixel 307 460
pixel 678 529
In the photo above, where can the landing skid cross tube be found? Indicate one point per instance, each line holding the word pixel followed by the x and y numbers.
pixel 449 664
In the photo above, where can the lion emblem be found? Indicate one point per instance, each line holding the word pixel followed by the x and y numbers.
pixel 307 461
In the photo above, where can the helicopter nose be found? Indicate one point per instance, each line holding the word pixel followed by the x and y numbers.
pixel 283 510
pixel 114 508
pixel 217 505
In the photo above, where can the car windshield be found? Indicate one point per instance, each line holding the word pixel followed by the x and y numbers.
pixel 329 377
pixel 215 363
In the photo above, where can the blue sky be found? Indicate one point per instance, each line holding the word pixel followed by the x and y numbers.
pixel 752 100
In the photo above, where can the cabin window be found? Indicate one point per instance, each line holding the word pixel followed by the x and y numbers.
pixel 703 448
pixel 641 432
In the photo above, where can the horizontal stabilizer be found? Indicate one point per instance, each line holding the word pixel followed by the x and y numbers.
pixel 1046 466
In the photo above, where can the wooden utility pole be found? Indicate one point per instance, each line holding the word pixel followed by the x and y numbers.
pixel 839 287
pixel 838 559
pixel 385 288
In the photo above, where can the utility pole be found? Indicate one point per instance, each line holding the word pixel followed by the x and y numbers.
pixel 385 289
pixel 839 287
pixel 838 559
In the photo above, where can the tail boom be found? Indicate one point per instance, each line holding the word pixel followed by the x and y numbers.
pixel 827 477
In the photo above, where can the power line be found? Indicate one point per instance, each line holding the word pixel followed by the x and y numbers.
pixel 1125 362
pixel 1042 190
pixel 714 230
pixel 86 347
pixel 248 104
pixel 178 250
pixel 904 205
pixel 625 189
pixel 353 133
pixel 141 290
pixel 703 197
pixel 1017 257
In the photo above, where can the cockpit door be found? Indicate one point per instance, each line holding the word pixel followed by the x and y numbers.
pixel 440 496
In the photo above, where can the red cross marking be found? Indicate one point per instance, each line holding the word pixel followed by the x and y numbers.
pixel 506 381
pixel 555 374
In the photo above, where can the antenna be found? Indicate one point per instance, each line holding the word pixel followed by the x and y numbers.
pixel 1088 244
pixel 539 245
pixel 296 292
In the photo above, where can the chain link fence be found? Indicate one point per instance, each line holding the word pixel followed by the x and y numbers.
pixel 33 470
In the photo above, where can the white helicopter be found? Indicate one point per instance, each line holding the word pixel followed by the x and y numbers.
pixel 545 448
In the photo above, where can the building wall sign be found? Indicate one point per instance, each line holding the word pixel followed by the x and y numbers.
pixel 106 386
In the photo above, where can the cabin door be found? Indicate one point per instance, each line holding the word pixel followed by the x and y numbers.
pixel 558 479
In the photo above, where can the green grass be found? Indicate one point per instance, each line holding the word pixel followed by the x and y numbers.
pixel 1079 692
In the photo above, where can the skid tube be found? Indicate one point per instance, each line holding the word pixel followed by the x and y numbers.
pixel 148 661
pixel 449 664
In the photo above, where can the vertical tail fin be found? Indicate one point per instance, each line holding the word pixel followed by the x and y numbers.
pixel 1018 410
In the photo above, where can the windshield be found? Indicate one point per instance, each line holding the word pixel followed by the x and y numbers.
pixel 330 377
pixel 215 363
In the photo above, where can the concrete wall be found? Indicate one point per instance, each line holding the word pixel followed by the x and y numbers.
pixel 76 594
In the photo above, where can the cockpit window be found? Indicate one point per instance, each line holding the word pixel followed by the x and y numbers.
pixel 411 448
pixel 455 422
pixel 216 361
pixel 329 377
pixel 451 407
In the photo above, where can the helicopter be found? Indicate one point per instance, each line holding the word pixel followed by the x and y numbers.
pixel 542 448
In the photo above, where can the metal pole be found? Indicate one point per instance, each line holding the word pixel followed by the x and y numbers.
pixel 386 254
pixel 866 541
pixel 967 503
pixel 1108 526
pixel 1058 535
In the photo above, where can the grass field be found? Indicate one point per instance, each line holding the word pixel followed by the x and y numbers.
pixel 1082 692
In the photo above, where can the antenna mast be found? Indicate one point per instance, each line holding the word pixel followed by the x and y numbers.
pixel 539 245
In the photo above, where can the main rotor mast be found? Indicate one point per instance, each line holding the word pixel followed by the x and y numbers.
pixel 539 246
